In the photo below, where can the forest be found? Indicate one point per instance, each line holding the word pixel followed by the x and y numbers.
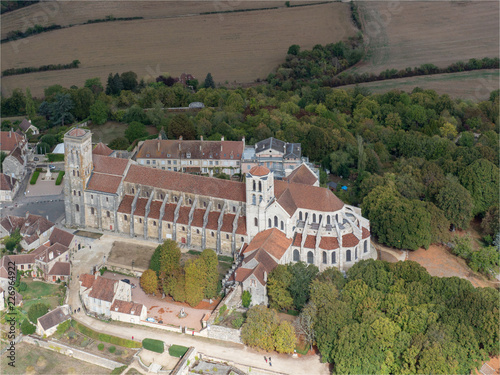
pixel 419 164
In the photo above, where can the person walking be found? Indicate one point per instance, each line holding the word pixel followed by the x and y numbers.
pixel 265 359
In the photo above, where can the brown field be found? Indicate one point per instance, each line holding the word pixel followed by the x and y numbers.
pixel 77 12
pixel 233 47
pixel 475 86
pixel 407 34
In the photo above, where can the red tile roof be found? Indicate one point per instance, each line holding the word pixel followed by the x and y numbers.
pixel 103 289
pixel 310 242
pixel 87 280
pixel 242 225
pixel 76 132
pixel 175 181
pixel 10 140
pixel 24 125
pixel 53 318
pixel 169 212
pixel 102 149
pixel 176 149
pixel 227 223
pixel 329 243
pixel 104 182
pixel 61 236
pixel 272 241
pixel 29 227
pixel 109 165
pixel 292 196
pixel 51 252
pixel 154 210
pixel 259 170
pixel 366 233
pixel 213 217
pixel 297 241
pixel 4 266
pixel 183 215
pixel 125 307
pixel 242 274
pixel 60 269
pixel 349 240
pixel 302 175
pixel 125 206
pixel 265 264
pixel 140 207
pixel 198 218
pixel 5 182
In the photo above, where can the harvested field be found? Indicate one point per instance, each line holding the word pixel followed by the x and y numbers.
pixel 404 34
pixel 475 85
pixel 233 47
pixel 123 254
pixel 77 12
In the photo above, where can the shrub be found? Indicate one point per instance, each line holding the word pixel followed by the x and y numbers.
pixel 246 298
pixel 22 286
pixel 60 177
pixel 27 328
pixel 112 349
pixel 55 157
pixel 63 327
pixel 34 177
pixel 153 345
pixel 177 350
pixel 100 347
pixel 118 370
pixel 222 309
pixel 37 310
pixel 107 338
pixel 238 322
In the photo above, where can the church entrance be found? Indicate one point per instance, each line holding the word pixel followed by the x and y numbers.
pixel 183 240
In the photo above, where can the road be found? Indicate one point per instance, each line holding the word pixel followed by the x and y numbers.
pixel 49 205
pixel 87 257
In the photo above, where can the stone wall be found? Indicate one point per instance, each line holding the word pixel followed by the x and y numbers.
pixel 239 366
pixel 223 333
pixel 72 352
pixel 182 367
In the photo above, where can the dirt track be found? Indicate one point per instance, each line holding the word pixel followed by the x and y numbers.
pixel 235 47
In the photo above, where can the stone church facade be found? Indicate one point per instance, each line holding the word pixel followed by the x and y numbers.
pixel 118 195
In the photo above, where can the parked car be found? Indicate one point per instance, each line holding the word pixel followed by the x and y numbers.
pixel 126 281
pixel 52 167
pixel 151 320
pixel 133 285
pixel 35 159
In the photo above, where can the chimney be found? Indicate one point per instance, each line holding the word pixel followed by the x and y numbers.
pixel 243 140
pixel 132 312
pixel 10 133
pixel 180 138
pixel 222 138
pixel 265 276
pixel 201 138
pixel 116 308
pixel 12 183
pixel 27 214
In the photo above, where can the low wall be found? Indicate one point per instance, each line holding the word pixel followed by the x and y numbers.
pixel 72 352
pixel 160 326
pixel 182 367
pixel 232 299
pixel 224 333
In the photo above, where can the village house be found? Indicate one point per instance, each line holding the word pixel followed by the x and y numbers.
pixel 99 293
pixel 15 145
pixel 47 324
pixel 128 312
pixel 8 187
pixel 201 157
pixel 34 229
pixel 26 126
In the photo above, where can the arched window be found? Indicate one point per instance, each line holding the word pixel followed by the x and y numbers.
pixel 133 191
pixel 79 193
pixel 282 226
pixel 77 173
pixel 310 257
pixel 242 239
pixel 334 258
pixel 365 247
pixel 337 217
pixel 147 194
pixel 154 223
pixel 254 185
pixel 328 219
pixel 212 233
pixel 296 255
pixel 320 217
pixel 348 256
pixel 324 257
pixel 300 215
pixel 77 208
pixel 108 214
pixel 269 223
pixel 74 192
pixel 260 186
pixel 314 218
pixel 218 206
pixel 256 222
pixel 260 198
pixel 74 173
pixel 190 201
pixel 356 253
pixel 276 221
pixel 254 202
pixel 176 199
pixel 125 217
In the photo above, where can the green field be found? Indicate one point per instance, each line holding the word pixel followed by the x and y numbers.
pixel 38 291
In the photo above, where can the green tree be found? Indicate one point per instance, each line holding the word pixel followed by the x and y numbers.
pixel 294 48
pixel 27 328
pixel 36 311
pixel 83 98
pixel 119 143
pixel 196 279
pixel 170 257
pixel 481 179
pixel 284 338
pixel 259 327
pixel 302 275
pixel 99 112
pixel 181 125
pixel 50 139
pixel 212 274
pixel 485 260
pixel 491 221
pixel 60 109
pixel 63 327
pixel 95 85
pixel 129 80
pixel 149 281
pixel 135 130
pixel 456 203
pixel 30 105
pixel 246 299
pixel 209 81
pixel 278 283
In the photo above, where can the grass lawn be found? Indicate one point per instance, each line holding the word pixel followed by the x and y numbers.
pixel 110 130
pixel 38 291
pixel 31 359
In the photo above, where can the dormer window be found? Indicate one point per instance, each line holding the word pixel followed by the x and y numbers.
pixel 168 155
pixel 147 155
pixel 188 155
